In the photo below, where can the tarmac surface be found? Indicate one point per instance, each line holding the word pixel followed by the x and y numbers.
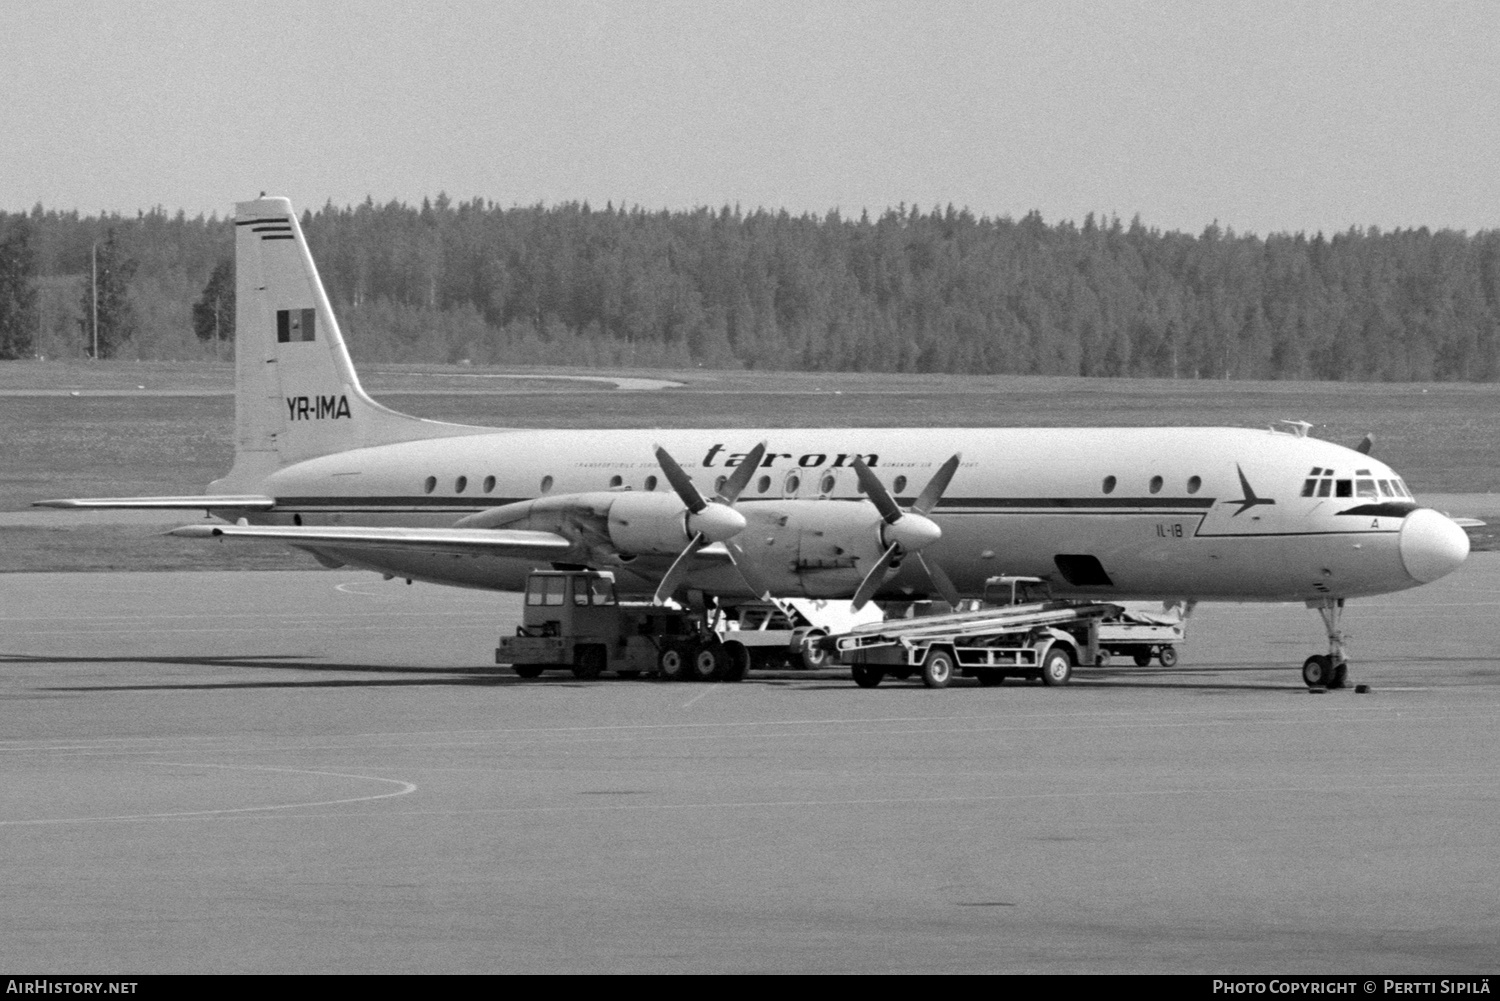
pixel 321 771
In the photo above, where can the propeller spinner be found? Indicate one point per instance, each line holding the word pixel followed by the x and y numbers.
pixel 905 532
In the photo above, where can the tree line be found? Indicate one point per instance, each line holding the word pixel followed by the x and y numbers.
pixel 908 290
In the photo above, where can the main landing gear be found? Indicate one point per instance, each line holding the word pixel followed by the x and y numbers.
pixel 1329 670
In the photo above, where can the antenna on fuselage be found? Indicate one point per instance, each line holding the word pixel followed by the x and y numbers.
pixel 1298 428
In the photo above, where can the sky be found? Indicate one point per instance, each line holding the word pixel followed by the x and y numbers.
pixel 1266 116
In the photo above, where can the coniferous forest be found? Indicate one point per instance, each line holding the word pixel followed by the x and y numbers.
pixel 910 290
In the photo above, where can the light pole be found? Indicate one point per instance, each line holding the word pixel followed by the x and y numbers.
pixel 94 276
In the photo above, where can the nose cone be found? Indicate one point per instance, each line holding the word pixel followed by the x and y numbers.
pixel 718 522
pixel 1431 545
pixel 913 532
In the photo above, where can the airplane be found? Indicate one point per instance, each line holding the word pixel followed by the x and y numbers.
pixel 1163 513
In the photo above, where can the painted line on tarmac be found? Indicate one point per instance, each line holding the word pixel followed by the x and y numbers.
pixel 700 695
pixel 1253 714
pixel 1310 790
pixel 406 787
pixel 710 731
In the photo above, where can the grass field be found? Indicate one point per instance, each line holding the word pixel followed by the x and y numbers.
pixel 176 434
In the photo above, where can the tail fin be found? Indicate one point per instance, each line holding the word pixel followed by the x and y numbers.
pixel 296 393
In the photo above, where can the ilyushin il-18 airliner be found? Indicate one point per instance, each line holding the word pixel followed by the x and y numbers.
pixel 1170 513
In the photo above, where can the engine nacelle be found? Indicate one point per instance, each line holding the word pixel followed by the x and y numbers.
pixel 624 522
pixel 648 523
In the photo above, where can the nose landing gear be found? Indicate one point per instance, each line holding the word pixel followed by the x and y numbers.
pixel 1329 670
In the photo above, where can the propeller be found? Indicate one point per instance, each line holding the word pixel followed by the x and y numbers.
pixel 710 520
pixel 905 532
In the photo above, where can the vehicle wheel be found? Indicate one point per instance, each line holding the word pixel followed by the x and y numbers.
pixel 671 662
pixel 1101 659
pixel 937 669
pixel 1142 657
pixel 867 677
pixel 738 656
pixel 589 661
pixel 990 679
pixel 528 670
pixel 1168 656
pixel 814 657
pixel 707 662
pixel 1317 671
pixel 1340 675
pixel 1057 666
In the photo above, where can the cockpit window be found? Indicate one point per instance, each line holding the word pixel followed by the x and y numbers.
pixel 1385 489
pixel 1365 488
pixel 1345 488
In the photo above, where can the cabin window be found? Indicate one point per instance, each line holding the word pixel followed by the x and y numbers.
pixel 899 485
pixel 650 483
pixel 460 484
pixel 827 484
pixel 615 481
pixel 1343 488
pixel 1109 484
pixel 1365 488
pixel 1155 485
pixel 430 485
pixel 546 483
pixel 793 483
pixel 602 591
pixel 489 484
pixel 763 484
pixel 719 484
pixel 1194 484
pixel 546 590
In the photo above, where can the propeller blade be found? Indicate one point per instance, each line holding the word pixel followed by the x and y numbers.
pixel 874 578
pixel 940 580
pixel 736 483
pixel 877 493
pixel 1365 444
pixel 935 486
pixel 678 570
pixel 680 481
pixel 741 561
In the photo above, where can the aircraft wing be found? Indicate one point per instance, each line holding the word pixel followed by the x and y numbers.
pixel 472 541
pixel 241 502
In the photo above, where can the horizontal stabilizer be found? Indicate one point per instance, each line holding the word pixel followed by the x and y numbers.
pixel 239 502
pixel 473 541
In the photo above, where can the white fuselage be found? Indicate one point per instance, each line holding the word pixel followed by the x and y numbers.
pixel 1109 512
